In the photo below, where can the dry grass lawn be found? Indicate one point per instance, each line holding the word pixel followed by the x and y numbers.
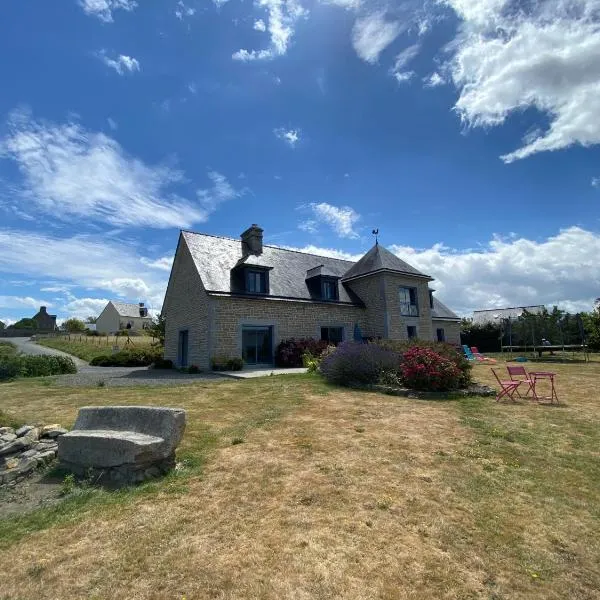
pixel 330 494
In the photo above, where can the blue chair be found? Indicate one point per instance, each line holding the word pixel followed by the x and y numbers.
pixel 468 352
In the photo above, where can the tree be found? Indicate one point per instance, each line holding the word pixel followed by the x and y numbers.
pixel 2 326
pixel 25 324
pixel 91 320
pixel 74 325
pixel 591 324
pixel 157 329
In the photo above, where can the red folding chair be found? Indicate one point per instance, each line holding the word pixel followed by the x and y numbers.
pixel 520 374
pixel 509 387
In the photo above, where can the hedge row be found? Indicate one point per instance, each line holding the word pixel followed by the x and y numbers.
pixel 418 365
pixel 136 357
pixel 12 367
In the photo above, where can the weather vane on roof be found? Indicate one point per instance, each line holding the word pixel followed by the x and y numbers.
pixel 376 233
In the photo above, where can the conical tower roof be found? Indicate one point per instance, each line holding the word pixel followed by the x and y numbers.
pixel 377 259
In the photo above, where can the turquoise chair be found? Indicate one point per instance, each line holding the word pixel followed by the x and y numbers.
pixel 468 352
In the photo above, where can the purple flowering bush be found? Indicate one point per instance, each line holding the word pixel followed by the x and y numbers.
pixel 354 362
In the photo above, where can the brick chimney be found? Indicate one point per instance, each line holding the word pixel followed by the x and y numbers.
pixel 252 240
pixel 43 310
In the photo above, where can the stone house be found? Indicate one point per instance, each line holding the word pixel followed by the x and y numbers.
pixel 240 298
pixel 45 321
pixel 117 316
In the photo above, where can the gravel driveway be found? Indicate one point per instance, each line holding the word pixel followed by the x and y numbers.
pixel 111 376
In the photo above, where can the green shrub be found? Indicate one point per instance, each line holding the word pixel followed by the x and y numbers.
pixel 35 366
pixel 227 363
pixel 193 370
pixel 7 349
pixel 135 357
pixel 10 368
pixel 42 366
pixel 354 362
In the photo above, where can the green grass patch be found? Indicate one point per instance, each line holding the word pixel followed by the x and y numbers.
pixel 216 414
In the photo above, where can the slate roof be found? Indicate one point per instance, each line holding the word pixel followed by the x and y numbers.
pixel 127 310
pixel 215 256
pixel 441 311
pixel 480 317
pixel 379 258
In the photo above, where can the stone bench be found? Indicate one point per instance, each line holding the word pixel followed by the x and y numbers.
pixel 122 444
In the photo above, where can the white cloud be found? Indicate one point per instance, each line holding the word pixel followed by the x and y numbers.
pixel 103 9
pixel 259 25
pixel 406 56
pixel 310 226
pixel 372 34
pixel 291 137
pixel 543 55
pixel 82 308
pixel 221 191
pixel 182 11
pixel 164 263
pixel 93 263
pixel 331 252
pixel 347 4
pixel 23 302
pixel 341 219
pixel 562 269
pixel 434 80
pixel 596 182
pixel 70 172
pixel 122 64
pixel 112 124
pixel 282 16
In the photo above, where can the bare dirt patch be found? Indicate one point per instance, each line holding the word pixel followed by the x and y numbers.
pixel 39 490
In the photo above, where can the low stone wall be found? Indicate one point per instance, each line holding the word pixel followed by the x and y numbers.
pixel 24 449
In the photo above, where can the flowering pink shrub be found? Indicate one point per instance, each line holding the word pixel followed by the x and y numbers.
pixel 425 369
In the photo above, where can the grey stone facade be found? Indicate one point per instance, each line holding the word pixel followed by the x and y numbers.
pixel 201 301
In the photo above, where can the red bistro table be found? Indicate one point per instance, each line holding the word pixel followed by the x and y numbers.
pixel 535 375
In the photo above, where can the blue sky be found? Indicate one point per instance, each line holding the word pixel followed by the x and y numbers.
pixel 465 131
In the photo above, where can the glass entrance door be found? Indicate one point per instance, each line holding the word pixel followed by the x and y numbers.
pixel 257 345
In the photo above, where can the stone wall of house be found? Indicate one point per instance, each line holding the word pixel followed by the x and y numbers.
pixel 288 318
pixel 186 307
pixel 380 294
pixel 451 330
pixel 397 323
pixel 371 290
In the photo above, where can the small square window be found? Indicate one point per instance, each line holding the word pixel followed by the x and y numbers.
pixel 333 335
pixel 256 282
pixel 411 331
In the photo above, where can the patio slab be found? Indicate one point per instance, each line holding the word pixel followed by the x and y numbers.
pixel 249 373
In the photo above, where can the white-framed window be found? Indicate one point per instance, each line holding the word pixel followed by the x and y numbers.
pixel 409 306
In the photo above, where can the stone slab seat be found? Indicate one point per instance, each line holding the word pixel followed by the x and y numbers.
pixel 121 437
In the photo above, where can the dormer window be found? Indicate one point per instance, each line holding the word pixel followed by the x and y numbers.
pixel 329 289
pixel 256 281
pixel 322 284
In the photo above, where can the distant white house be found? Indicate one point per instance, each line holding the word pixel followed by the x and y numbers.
pixel 118 316
pixel 496 315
